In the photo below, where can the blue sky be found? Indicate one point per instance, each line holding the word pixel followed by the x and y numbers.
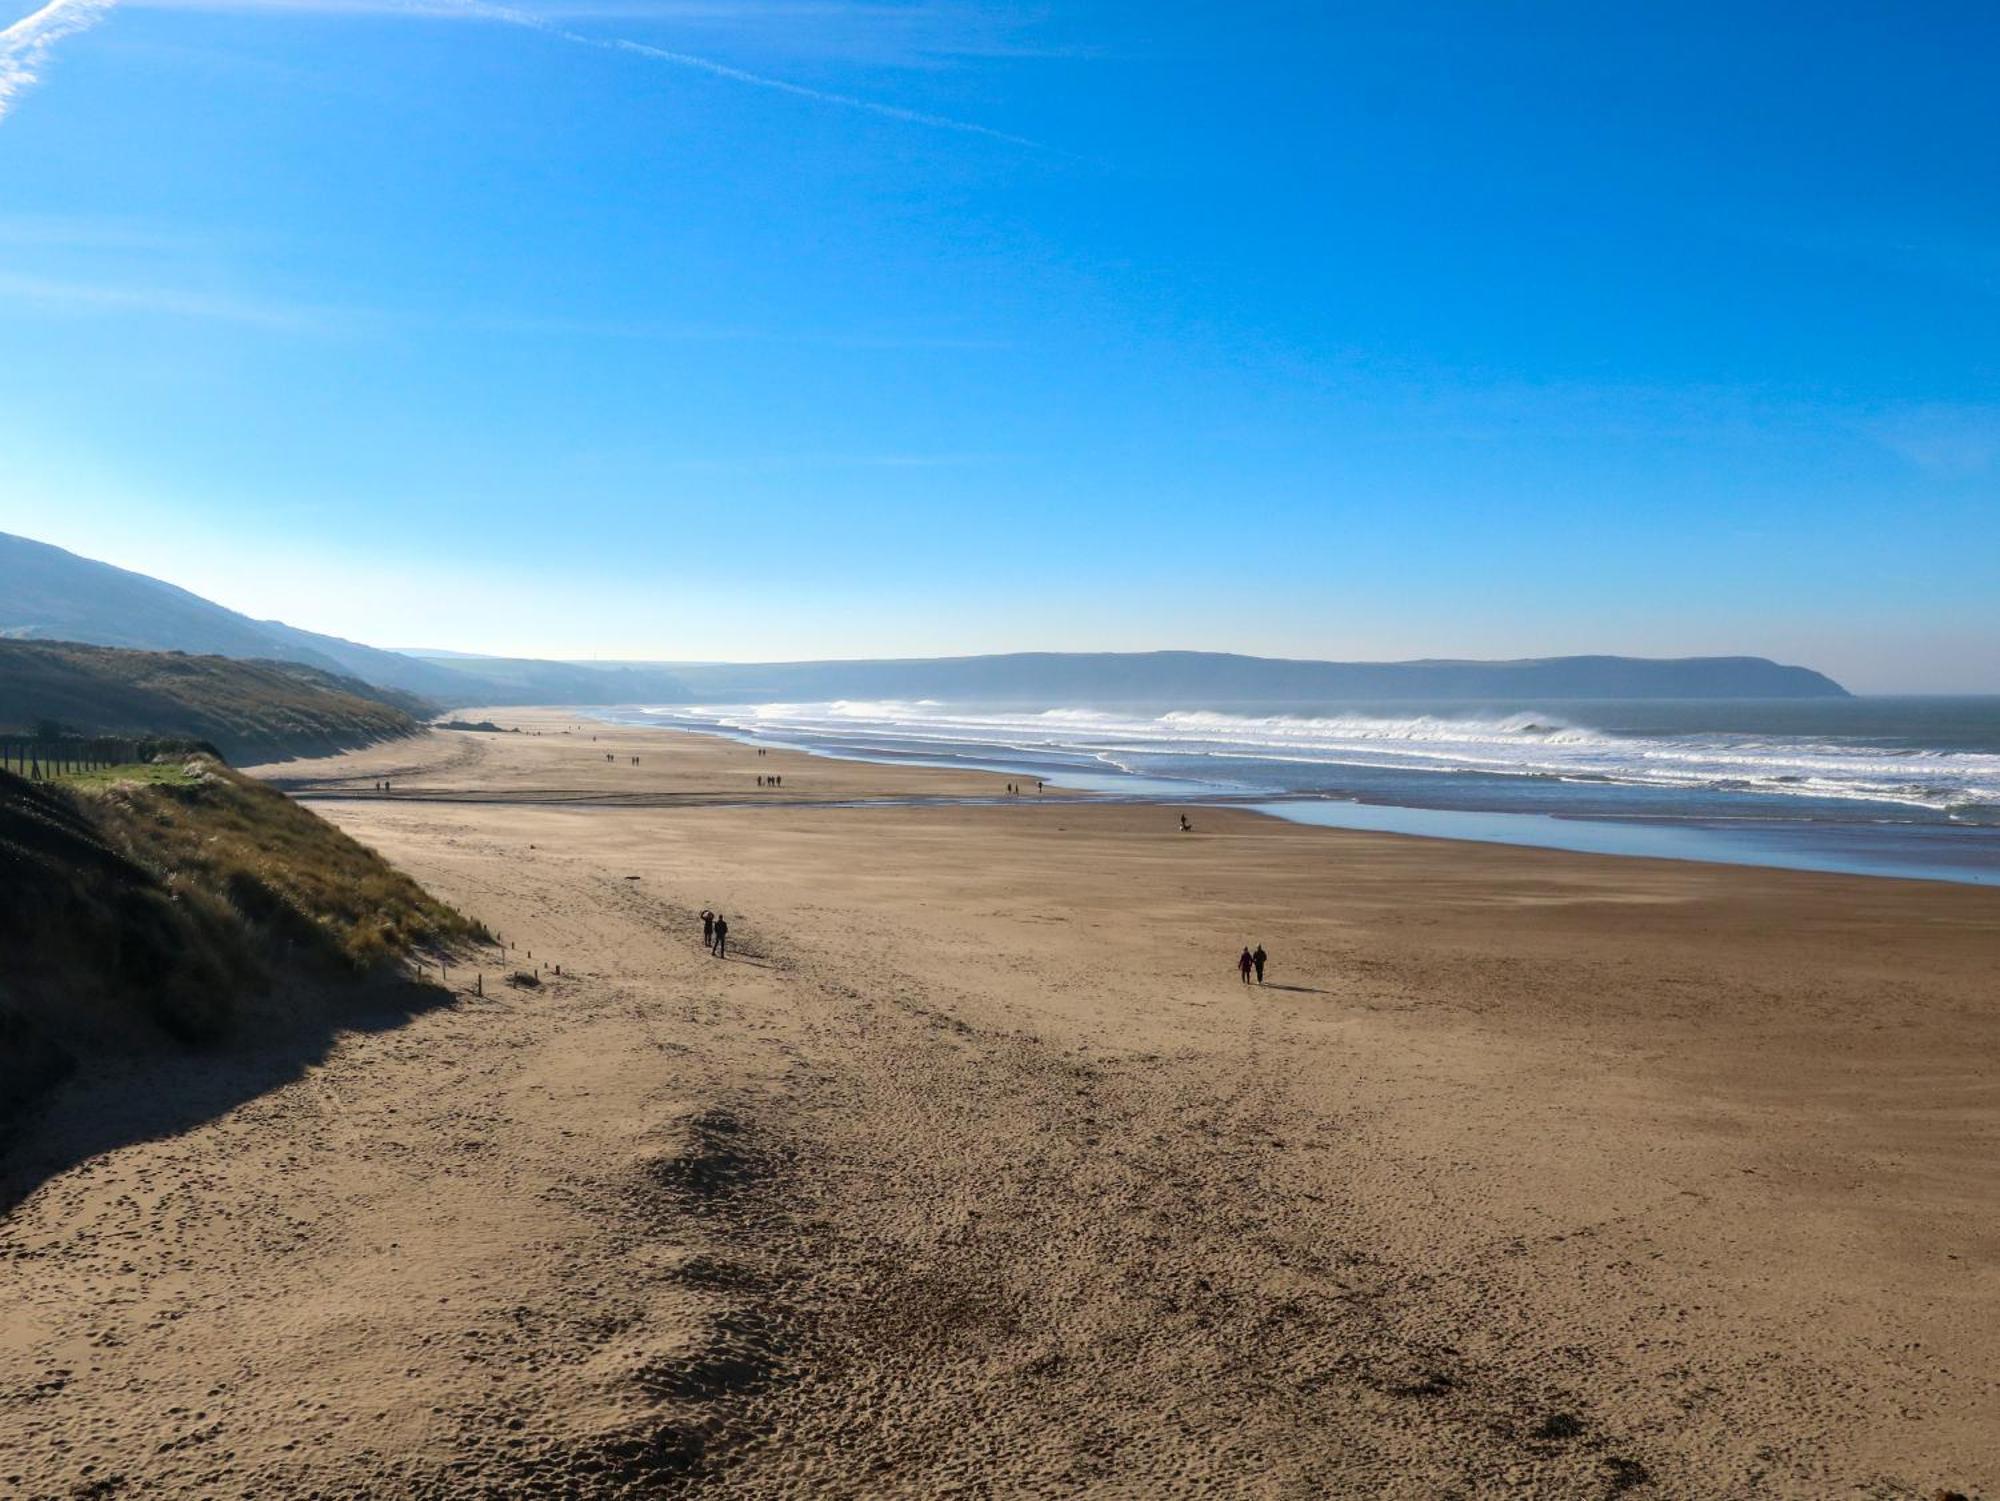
pixel 700 328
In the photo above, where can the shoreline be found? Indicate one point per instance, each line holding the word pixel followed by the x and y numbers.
pixel 1740 843
pixel 974 1163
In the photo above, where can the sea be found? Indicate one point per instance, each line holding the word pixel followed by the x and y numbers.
pixel 1905 787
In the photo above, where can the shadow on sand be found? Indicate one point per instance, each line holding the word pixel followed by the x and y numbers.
pixel 112 1101
pixel 1298 989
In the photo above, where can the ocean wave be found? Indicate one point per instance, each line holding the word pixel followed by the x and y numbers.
pixel 1525 743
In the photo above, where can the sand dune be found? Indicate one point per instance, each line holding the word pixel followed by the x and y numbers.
pixel 975 1171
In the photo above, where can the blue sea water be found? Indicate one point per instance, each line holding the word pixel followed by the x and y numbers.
pixel 1886 786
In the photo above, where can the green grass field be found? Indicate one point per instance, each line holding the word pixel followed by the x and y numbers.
pixel 141 773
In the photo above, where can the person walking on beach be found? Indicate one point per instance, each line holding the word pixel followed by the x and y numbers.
pixel 707 928
pixel 1257 957
pixel 1243 966
pixel 721 937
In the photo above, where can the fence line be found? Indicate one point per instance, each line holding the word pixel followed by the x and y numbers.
pixel 43 758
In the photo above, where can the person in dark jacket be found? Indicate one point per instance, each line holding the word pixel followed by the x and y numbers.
pixel 1257 957
pixel 707 929
pixel 1243 966
pixel 721 937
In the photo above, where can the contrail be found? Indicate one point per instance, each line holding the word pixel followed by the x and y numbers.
pixel 715 69
pixel 845 101
pixel 24 46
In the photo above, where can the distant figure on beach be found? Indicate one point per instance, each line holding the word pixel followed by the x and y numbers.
pixel 760 781
pixel 1257 957
pixel 707 928
pixel 721 937
pixel 1186 827
pixel 1244 964
pixel 1038 784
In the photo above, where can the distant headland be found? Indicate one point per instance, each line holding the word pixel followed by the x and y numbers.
pixel 51 595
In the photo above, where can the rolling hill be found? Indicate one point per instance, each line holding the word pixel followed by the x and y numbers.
pixel 1221 679
pixel 49 594
pixel 249 710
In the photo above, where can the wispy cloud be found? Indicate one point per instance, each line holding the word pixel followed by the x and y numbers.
pixel 53 295
pixel 557 325
pixel 91 233
pixel 534 22
pixel 779 463
pixel 874 33
pixel 73 296
pixel 24 46
pixel 1956 442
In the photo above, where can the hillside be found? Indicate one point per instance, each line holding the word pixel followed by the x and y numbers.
pixel 48 594
pixel 171 907
pixel 247 709
pixel 1219 679
pixel 531 680
pixel 1205 679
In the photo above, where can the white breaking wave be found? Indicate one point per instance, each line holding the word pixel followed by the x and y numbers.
pixel 1518 744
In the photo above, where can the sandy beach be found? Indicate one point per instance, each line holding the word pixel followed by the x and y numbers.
pixel 974 1170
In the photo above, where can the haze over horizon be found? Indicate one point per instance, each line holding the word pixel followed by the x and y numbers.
pixel 762 332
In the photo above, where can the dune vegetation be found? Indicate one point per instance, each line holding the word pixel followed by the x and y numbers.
pixel 247 710
pixel 171 903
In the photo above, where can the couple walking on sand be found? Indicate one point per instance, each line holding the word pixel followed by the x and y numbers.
pixel 1249 960
pixel 715 933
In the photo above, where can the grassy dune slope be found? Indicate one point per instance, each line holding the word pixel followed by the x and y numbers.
pixel 168 909
pixel 250 710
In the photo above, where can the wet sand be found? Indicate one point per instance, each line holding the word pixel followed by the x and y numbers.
pixel 975 1171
